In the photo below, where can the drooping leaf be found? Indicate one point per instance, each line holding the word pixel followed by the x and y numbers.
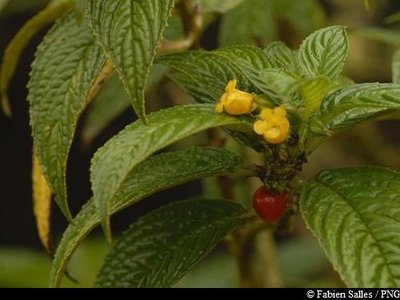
pixel 65 68
pixel 205 74
pixel 313 91
pixel 251 22
pixel 14 49
pixel 324 52
pixel 41 195
pixel 137 142
pixel 153 175
pixel 129 31
pixel 161 247
pixel 396 67
pixel 280 56
pixel 355 214
pixel 353 104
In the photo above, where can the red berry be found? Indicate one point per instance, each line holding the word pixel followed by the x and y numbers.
pixel 268 205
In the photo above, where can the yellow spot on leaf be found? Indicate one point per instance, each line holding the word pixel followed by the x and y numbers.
pixel 41 203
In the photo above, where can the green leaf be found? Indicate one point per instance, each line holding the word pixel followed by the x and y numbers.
pixel 355 214
pixel 66 66
pixel 251 22
pixel 280 56
pixel 129 32
pixel 161 247
pixel 353 104
pixel 153 175
pixel 396 67
pixel 137 142
pixel 17 45
pixel 324 52
pixel 205 74
pixel 313 91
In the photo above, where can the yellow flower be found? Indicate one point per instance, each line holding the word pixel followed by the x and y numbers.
pixel 273 125
pixel 234 101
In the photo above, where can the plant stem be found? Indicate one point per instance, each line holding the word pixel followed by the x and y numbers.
pixel 254 249
pixel 268 263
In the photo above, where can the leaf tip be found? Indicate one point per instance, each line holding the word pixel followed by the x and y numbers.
pixel 5 105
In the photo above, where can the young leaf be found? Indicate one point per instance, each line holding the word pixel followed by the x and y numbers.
pixel 41 203
pixel 65 68
pixel 161 247
pixel 353 104
pixel 313 91
pixel 324 52
pixel 153 175
pixel 355 214
pixel 280 56
pixel 204 74
pixel 135 143
pixel 396 67
pixel 14 49
pixel 129 31
pixel 251 22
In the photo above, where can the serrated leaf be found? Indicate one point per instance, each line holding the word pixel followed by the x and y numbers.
pixel 66 66
pixel 153 175
pixel 17 45
pixel 251 22
pixel 396 67
pixel 355 214
pixel 312 92
pixel 161 247
pixel 129 32
pixel 205 74
pixel 41 195
pixel 324 52
pixel 280 56
pixel 353 104
pixel 125 151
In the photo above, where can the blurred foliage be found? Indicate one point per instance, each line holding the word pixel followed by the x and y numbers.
pixel 20 267
pixel 375 36
pixel 302 264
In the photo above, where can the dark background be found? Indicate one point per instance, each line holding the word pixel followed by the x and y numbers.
pixel 17 226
